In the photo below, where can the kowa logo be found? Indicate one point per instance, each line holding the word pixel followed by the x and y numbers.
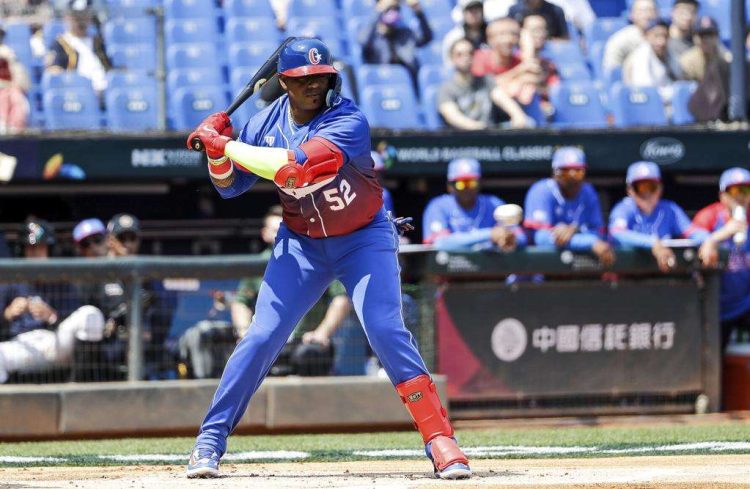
pixel 662 150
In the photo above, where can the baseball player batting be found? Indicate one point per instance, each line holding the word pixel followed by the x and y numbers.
pixel 315 145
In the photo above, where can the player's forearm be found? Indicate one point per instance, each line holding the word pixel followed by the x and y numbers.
pixel 262 161
pixel 228 181
pixel 626 237
pixel 463 241
pixel 582 241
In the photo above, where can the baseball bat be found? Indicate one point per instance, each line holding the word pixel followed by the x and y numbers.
pixel 264 73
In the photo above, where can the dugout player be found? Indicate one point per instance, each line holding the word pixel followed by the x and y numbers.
pixel 643 219
pixel 726 220
pixel 463 218
pixel 564 211
pixel 315 145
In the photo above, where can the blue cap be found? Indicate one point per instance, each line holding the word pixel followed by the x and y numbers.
pixel 568 157
pixel 305 56
pixel 464 169
pixel 643 170
pixel 86 228
pixel 734 176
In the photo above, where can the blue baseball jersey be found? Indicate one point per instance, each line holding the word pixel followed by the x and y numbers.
pixel 546 207
pixel 667 221
pixel 443 215
pixel 348 202
pixel 388 202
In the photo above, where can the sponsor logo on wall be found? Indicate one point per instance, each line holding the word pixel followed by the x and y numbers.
pixel 663 150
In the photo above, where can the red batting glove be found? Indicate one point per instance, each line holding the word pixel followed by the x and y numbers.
pixel 294 175
pixel 212 141
pixel 220 122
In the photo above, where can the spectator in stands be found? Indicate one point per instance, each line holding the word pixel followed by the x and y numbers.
pixel 14 82
pixel 557 27
pixel 501 57
pixel 123 235
pixel 386 39
pixel 309 349
pixel 644 220
pixel 708 64
pixel 727 221
pixel 539 72
pixel 463 218
pixel 564 212
pixel 577 11
pixel 471 102
pixel 89 236
pixel 42 321
pixel 684 15
pixel 472 27
pixel 281 10
pixel 76 50
pixel 627 39
pixel 652 65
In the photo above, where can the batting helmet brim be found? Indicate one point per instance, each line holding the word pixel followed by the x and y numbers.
pixel 310 70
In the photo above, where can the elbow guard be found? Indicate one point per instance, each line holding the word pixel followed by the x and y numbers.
pixel 323 162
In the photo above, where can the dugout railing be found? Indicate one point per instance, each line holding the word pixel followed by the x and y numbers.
pixel 528 333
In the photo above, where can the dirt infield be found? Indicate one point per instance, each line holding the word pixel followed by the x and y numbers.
pixel 695 472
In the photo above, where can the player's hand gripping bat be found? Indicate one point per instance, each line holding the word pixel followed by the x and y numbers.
pixel 256 82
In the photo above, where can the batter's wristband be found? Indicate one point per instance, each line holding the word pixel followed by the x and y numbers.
pixel 221 168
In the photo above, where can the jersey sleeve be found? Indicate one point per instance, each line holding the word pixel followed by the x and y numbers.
pixel 538 207
pixel 350 132
pixel 434 223
pixel 495 202
pixel 593 213
pixel 706 219
pixel 684 227
pixel 619 218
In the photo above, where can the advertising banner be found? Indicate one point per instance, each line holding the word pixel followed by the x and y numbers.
pixel 571 338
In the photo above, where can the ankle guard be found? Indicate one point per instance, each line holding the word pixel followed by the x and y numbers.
pixel 444 452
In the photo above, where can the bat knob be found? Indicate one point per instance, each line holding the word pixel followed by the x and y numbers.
pixel 196 144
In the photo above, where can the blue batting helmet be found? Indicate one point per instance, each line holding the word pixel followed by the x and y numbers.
pixel 305 56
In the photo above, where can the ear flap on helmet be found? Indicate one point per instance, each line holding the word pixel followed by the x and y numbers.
pixel 333 93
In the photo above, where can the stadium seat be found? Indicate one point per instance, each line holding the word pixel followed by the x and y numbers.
pixel 390 107
pixel 437 9
pixel 119 79
pixel 683 90
pixel 595 55
pixel 720 11
pixel 130 8
pixel 189 9
pixel 65 79
pixel 239 76
pixel 312 8
pixel 603 27
pixel 250 54
pixel 131 30
pixel 613 76
pixel 327 29
pixel 133 56
pixel 636 106
pixel 51 29
pixel 189 30
pixel 573 71
pixel 195 55
pixel 71 108
pixel 608 8
pixel 132 108
pixel 358 8
pixel 439 27
pixel 431 54
pixel 243 30
pixel 193 77
pixel 432 75
pixel 432 117
pixel 257 9
pixel 561 52
pixel 190 105
pixel 577 104
pixel 17 33
pixel 382 75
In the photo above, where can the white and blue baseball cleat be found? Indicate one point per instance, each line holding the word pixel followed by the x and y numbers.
pixel 203 463
pixel 447 459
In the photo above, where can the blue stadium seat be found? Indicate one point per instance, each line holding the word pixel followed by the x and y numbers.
pixel 193 77
pixel 312 8
pixel 251 54
pixel 243 29
pixel 573 71
pixel 608 8
pixel 132 108
pixel 190 105
pixel 436 9
pixel 196 55
pixel 439 27
pixel 562 52
pixel 358 8
pixel 190 30
pixel 432 75
pixel 636 106
pixel 119 79
pixel 613 76
pixel 131 30
pixel 432 117
pixel 390 107
pixel 720 11
pixel 65 79
pixel 71 108
pixel 189 9
pixel 577 104
pixel 346 86
pixel 382 75
pixel 133 56
pixel 327 29
pixel 595 55
pixel 431 54
pixel 257 9
pixel 603 27
pixel 683 90
pixel 239 76
pixel 130 8
pixel 17 33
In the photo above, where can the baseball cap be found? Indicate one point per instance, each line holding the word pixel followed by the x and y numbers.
pixel 568 157
pixel 691 2
pixel 37 231
pixel 657 22
pixel 706 25
pixel 464 169
pixel 464 4
pixel 123 223
pixel 86 228
pixel 734 176
pixel 643 170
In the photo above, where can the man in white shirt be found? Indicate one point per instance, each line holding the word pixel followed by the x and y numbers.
pixel 627 39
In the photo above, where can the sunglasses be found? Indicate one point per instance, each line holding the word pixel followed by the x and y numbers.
pixel 645 187
pixel 739 190
pixel 572 173
pixel 465 184
pixel 96 239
